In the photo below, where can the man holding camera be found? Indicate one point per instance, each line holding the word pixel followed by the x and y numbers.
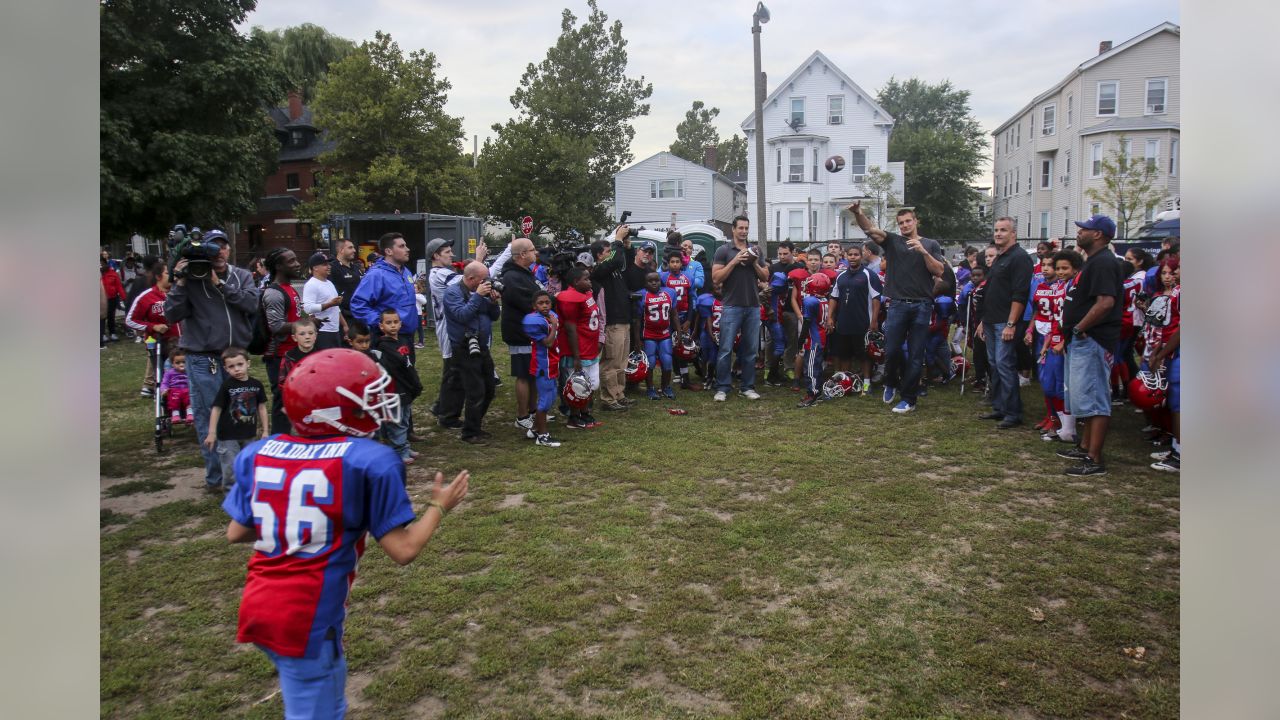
pixel 470 307
pixel 736 269
pixel 215 302
pixel 609 275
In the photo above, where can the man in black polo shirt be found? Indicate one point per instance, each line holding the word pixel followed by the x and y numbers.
pixel 1002 306
pixel 345 274
pixel 915 262
pixel 1091 314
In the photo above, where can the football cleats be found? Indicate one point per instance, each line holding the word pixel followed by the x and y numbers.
pixel 685 347
pixel 1148 390
pixel 818 284
pixel 637 367
pixel 577 391
pixel 840 384
pixel 875 345
pixel 341 391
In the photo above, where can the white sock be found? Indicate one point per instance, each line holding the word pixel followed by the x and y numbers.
pixel 1177 447
pixel 1068 431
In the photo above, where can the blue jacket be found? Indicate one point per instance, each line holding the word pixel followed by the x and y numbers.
pixel 382 288
pixel 695 273
pixel 467 313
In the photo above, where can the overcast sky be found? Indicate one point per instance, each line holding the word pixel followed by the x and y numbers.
pixel 1004 53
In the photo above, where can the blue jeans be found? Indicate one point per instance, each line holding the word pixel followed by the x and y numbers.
pixel 397 434
pixel 906 322
pixel 313 687
pixel 204 389
pixel 1003 356
pixel 735 318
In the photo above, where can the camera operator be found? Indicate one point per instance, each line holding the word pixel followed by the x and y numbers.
pixel 215 302
pixel 470 307
pixel 609 275
pixel 517 286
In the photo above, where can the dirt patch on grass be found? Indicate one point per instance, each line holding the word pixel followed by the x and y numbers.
pixel 186 484
pixel 681 696
pixel 511 501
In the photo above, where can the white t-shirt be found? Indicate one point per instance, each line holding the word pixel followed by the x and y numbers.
pixel 314 294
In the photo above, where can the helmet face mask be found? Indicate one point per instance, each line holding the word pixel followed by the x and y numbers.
pixel 685 347
pixel 577 391
pixel 637 366
pixel 875 345
pixel 1149 390
pixel 840 384
pixel 817 284
pixel 339 391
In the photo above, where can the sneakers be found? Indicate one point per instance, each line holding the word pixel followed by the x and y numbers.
pixel 591 422
pixel 1023 381
pixel 575 423
pixel 993 415
pixel 750 394
pixel 530 434
pixel 720 396
pixel 191 417
pixel 450 424
pixel 526 422
pixel 889 394
pixel 1173 463
pixel 419 345
pixel 1161 455
pixel 668 393
pixel 904 407
pixel 653 394
pixel 473 440
pixel 175 417
pixel 808 401
pixel 1075 452
pixel 924 390
pixel 614 406
pixel 544 440
pixel 1006 424
pixel 866 386
pixel 115 337
pixel 146 393
pixel 1087 467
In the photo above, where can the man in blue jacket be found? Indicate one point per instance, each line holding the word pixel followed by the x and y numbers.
pixel 388 285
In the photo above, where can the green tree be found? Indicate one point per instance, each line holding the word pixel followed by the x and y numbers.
pixel 879 188
pixel 528 170
pixel 943 147
pixel 696 132
pixel 183 134
pixel 732 155
pixel 580 103
pixel 396 146
pixel 304 54
pixel 1128 188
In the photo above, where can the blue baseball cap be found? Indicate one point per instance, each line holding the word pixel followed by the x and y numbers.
pixel 1101 223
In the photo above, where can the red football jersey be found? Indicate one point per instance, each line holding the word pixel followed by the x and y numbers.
pixel 1163 316
pixel 1132 286
pixel 1042 303
pixel 581 310
pixel 657 314
pixel 680 283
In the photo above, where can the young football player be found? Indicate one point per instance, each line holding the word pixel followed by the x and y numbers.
pixel 707 329
pixel 796 279
pixel 306 501
pixel 1042 312
pixel 175 389
pixel 580 338
pixel 816 314
pixel 1066 265
pixel 239 413
pixel 660 324
pixel 543 327
pixel 675 277
pixel 393 355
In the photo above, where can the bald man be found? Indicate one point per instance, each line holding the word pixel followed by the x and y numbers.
pixel 518 288
pixel 470 307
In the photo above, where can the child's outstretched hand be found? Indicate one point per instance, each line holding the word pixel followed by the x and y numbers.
pixel 453 494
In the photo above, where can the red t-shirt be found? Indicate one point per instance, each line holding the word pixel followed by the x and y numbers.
pixel 580 310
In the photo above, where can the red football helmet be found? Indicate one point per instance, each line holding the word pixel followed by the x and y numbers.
pixel 1148 390
pixel 841 384
pixel 875 345
pixel 818 284
pixel 685 348
pixel 577 391
pixel 960 365
pixel 339 390
pixel 637 367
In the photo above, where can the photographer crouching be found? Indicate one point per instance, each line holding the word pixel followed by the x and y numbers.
pixel 215 302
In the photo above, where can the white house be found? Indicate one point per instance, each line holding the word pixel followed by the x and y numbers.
pixel 665 191
pixel 817 112
pixel 1050 153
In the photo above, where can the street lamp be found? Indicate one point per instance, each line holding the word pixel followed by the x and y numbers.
pixel 760 17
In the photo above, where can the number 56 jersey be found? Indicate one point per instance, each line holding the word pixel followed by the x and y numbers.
pixel 310 501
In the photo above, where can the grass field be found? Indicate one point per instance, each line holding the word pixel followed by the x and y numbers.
pixel 746 560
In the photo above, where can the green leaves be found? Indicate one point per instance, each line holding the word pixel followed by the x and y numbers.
pixel 696 132
pixel 1128 188
pixel 304 54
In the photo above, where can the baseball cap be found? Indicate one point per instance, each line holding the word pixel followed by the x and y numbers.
pixel 318 258
pixel 646 245
pixel 1101 223
pixel 435 245
pixel 586 259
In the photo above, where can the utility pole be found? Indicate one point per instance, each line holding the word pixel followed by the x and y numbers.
pixel 760 17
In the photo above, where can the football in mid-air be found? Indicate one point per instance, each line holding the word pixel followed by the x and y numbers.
pixel 835 164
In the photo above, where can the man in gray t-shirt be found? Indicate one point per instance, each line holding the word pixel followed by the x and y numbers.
pixel 915 265
pixel 736 269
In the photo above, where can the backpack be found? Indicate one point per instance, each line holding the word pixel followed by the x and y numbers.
pixel 260 334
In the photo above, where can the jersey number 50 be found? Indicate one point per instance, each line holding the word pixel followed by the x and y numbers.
pixel 299 514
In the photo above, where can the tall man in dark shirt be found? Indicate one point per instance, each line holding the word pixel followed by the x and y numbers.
pixel 737 269
pixel 345 274
pixel 1091 315
pixel 915 262
pixel 1006 297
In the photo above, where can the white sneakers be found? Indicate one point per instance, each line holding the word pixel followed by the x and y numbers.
pixel 750 394
pixel 719 396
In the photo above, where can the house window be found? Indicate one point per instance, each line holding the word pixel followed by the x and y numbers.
pixel 1068 173
pixel 1017 180
pixel 295 138
pixel 1173 158
pixel 291 182
pixel 795 171
pixel 1108 97
pixel 1094 209
pixel 858 164
pixel 1044 224
pixel 1157 90
pixel 1017 134
pixel 302 230
pixel 1126 151
pixel 1030 177
pixel 1071 109
pixel 1152 155
pixel 815 164
pixel 666 189
pixel 1066 220
pixel 1049 116
pixel 795 225
pixel 1095 160
pixel 777 224
pixel 835 110
pixel 1046 174
pixel 797 111
pixel 779 166
pixel 1150 215
pixel 813 225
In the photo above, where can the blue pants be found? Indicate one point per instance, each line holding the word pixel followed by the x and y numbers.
pixel 1003 357
pixel 906 322
pixel 204 388
pixel 1175 382
pixel 313 688
pixel 937 354
pixel 779 339
pixel 546 392
pixel 397 434
pixel 813 367
pixel 1052 370
pixel 658 352
pixel 735 318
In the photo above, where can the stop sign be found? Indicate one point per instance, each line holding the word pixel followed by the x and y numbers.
pixel 526 225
